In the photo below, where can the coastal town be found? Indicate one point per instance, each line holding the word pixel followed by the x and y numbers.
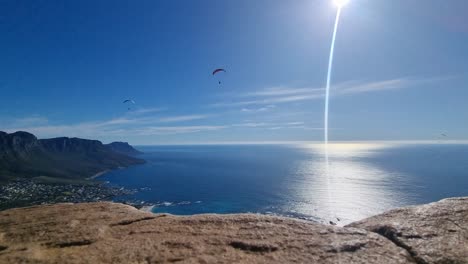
pixel 27 192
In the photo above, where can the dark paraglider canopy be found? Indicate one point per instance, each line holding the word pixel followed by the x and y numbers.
pixel 218 71
pixel 128 102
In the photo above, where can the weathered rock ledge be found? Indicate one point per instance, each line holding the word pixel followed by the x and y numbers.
pixel 116 233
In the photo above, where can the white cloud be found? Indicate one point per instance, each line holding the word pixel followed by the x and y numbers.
pixel 139 122
pixel 74 130
pixel 275 125
pixel 353 87
pixel 146 121
pixel 143 111
pixel 295 123
pixel 167 130
pixel 261 109
pixel 272 100
pixel 119 121
pixel 279 91
pixel 183 118
pixel 278 95
pixel 28 121
pixel 250 124
pixel 138 126
pixel 93 130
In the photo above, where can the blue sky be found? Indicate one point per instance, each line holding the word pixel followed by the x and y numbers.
pixel 400 72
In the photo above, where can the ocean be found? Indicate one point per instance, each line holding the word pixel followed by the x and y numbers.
pixel 360 180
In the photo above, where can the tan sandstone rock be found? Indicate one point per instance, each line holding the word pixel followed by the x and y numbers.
pixel 116 233
pixel 432 233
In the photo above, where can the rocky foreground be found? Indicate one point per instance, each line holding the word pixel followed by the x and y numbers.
pixel 116 233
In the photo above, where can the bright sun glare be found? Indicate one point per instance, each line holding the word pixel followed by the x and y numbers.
pixel 340 3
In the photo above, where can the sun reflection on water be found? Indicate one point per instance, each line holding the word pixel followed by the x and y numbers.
pixel 354 188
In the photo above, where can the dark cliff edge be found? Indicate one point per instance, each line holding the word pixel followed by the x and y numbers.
pixel 22 155
pixel 123 148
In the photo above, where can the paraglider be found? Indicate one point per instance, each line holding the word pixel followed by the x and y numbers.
pixel 129 102
pixel 215 72
pixel 442 137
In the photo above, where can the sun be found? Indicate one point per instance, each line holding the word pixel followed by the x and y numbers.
pixel 340 3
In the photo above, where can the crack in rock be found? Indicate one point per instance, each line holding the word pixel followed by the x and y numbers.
pixel 392 234
pixel 175 259
pixel 252 247
pixel 458 225
pixel 128 222
pixel 71 243
pixel 412 236
pixel 348 248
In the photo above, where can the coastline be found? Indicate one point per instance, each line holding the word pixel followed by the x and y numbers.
pixel 147 208
pixel 108 170
pixel 98 174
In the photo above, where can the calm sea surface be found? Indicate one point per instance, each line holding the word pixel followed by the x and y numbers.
pixel 293 180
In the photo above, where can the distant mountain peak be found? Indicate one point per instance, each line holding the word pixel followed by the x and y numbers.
pixel 18 144
pixel 123 148
pixel 23 155
pixel 65 144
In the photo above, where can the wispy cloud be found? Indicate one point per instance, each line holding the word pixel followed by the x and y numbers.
pixel 356 87
pixel 153 121
pixel 147 120
pixel 142 122
pixel 280 91
pixel 272 100
pixel 283 94
pixel 183 118
pixel 140 126
pixel 295 123
pixel 72 130
pixel 29 121
pixel 168 130
pixel 144 111
pixel 272 96
pixel 121 121
pixel 295 127
pixel 251 124
pixel 274 125
pixel 100 129
pixel 256 110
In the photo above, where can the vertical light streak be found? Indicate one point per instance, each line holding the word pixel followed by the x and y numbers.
pixel 327 98
pixel 327 90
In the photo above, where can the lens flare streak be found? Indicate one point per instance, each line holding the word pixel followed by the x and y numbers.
pixel 327 97
pixel 329 73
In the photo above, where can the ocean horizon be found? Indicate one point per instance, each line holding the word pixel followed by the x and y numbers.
pixel 299 142
pixel 361 179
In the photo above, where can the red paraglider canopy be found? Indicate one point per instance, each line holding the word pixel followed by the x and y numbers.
pixel 218 70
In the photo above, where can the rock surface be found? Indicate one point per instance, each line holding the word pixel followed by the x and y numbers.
pixel 432 233
pixel 116 233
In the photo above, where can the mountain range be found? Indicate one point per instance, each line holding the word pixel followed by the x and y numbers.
pixel 23 155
